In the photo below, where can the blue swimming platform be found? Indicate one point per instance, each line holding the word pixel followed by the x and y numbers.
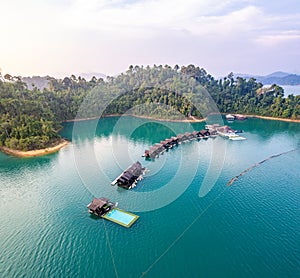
pixel 121 217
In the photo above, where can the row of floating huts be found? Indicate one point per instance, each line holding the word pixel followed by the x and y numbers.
pixel 209 131
pixel 166 144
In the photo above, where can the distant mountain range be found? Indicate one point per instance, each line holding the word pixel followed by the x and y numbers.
pixel 40 82
pixel 278 77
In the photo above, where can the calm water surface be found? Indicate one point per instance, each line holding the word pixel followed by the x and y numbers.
pixel 251 229
pixel 289 89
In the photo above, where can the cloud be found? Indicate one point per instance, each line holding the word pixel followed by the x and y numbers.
pixel 149 16
pixel 279 38
pixel 108 35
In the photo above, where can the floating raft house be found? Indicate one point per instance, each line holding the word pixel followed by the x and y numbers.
pixel 103 208
pixel 100 206
pixel 129 178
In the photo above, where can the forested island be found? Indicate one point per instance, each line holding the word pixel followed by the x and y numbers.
pixel 31 118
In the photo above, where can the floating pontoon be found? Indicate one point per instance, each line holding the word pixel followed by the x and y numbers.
pixel 121 217
pixel 103 208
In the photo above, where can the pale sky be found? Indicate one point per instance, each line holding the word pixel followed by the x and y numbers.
pixel 61 37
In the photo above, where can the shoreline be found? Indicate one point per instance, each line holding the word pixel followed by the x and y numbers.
pixel 264 117
pixel 188 120
pixel 34 153
pixel 41 152
pixel 273 118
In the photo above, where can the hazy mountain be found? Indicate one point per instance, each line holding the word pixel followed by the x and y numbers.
pixel 279 74
pixel 278 77
pixel 40 82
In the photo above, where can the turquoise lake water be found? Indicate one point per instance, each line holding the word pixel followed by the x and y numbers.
pixel 250 229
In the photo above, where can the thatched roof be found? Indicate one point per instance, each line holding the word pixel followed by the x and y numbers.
pixel 204 132
pixel 133 171
pixel 97 203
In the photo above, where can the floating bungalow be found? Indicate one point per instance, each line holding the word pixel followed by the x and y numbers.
pixel 197 134
pixel 204 133
pixel 180 138
pixel 189 136
pixel 174 141
pixel 103 208
pixel 129 178
pixel 169 143
pixel 100 206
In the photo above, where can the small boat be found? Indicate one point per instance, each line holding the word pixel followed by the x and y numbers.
pixel 235 137
pixel 230 117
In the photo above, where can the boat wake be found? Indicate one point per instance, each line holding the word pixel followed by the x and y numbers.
pixel 256 165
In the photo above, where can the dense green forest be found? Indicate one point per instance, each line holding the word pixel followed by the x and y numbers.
pixel 31 119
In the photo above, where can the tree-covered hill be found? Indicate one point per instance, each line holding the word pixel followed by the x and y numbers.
pixel 30 119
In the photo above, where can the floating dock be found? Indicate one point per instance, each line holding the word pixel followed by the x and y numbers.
pixel 103 208
pixel 121 217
